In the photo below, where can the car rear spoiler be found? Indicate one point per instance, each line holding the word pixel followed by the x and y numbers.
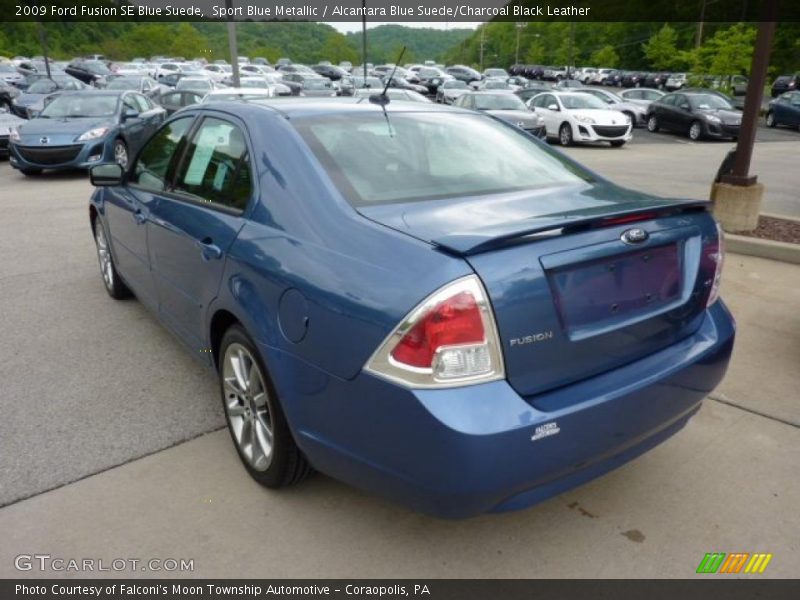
pixel 505 234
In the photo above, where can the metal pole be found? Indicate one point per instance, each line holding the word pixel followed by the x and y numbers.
pixel 752 100
pixel 699 36
pixel 233 44
pixel 483 39
pixel 571 47
pixel 43 42
pixel 516 53
pixel 364 39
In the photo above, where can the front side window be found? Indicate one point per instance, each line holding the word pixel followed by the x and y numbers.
pixel 413 156
pixel 153 165
pixel 217 166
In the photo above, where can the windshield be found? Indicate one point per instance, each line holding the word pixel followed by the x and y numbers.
pixel 578 101
pixel 372 82
pixel 43 86
pixel 709 102
pixel 81 105
pixel 6 68
pixel 407 157
pixel 254 83
pixel 496 85
pixel 498 102
pixel 97 68
pixel 224 97
pixel 455 84
pixel 495 73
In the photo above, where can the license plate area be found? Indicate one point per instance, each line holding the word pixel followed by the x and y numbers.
pixel 612 292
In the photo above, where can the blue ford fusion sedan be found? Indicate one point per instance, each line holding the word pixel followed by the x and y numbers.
pixel 422 301
pixel 76 130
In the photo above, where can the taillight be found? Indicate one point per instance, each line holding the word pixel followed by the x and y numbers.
pixel 449 339
pixel 714 252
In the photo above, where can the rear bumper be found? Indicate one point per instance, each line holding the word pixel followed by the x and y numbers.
pixel 466 451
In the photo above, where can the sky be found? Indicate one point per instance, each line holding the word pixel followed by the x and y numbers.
pixel 348 26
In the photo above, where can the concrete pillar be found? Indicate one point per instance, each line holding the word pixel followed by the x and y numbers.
pixel 736 207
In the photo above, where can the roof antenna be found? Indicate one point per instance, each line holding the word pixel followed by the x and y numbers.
pixel 382 98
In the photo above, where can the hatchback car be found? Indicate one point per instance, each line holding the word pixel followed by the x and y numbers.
pixel 784 110
pixel 81 129
pixel 421 301
pixel 696 114
pixel 578 117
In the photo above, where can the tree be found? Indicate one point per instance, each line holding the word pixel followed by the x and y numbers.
pixel 661 50
pixel 187 42
pixel 337 49
pixel 728 52
pixel 605 56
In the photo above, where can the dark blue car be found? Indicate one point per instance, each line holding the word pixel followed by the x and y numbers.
pixel 784 110
pixel 421 301
pixel 77 130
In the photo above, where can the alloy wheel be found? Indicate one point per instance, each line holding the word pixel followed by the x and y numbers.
pixel 770 119
pixel 247 407
pixel 695 130
pixel 121 154
pixel 565 135
pixel 652 124
pixel 104 256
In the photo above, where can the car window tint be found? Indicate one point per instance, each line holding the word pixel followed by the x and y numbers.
pixel 153 163
pixel 130 104
pixel 217 165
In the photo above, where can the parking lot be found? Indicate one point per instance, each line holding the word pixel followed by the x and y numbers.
pixel 113 443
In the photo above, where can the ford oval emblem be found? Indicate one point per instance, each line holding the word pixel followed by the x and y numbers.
pixel 635 236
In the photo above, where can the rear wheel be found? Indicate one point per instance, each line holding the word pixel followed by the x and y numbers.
pixel 255 420
pixel 771 122
pixel 695 131
pixel 652 123
pixel 565 135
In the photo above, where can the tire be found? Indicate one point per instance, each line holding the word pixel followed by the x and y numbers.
pixel 565 134
pixel 31 172
pixel 617 143
pixel 771 122
pixel 255 420
pixel 652 124
pixel 695 131
pixel 121 156
pixel 114 285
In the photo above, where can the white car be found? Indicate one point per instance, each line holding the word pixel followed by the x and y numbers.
pixel 166 69
pixel 578 118
pixel 244 94
pixel 599 76
pixel 585 75
pixel 676 81
pixel 216 72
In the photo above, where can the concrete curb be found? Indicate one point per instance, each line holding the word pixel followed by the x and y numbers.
pixel 782 251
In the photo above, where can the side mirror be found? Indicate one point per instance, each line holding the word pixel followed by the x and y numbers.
pixel 686 107
pixel 129 114
pixel 106 175
pixel 552 107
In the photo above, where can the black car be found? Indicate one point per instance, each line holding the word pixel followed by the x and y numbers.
pixel 633 79
pixel 332 72
pixel 93 72
pixel 785 83
pixel 655 80
pixel 697 114
pixel 402 83
pixel 533 88
pixel 466 74
pixel 432 78
pixel 7 94
pixel 174 100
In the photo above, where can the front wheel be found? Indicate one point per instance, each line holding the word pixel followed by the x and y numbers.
pixel 255 420
pixel 695 131
pixel 771 122
pixel 565 135
pixel 115 287
pixel 121 153
pixel 652 124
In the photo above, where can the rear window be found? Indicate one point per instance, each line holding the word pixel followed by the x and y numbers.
pixel 405 157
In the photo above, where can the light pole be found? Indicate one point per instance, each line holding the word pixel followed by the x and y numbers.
pixel 520 26
pixel 233 44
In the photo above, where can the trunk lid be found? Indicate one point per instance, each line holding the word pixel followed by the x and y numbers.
pixel 571 298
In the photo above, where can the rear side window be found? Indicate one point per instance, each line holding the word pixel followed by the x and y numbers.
pixel 216 168
pixel 153 163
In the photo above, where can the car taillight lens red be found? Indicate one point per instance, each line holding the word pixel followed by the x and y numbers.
pixel 714 252
pixel 453 322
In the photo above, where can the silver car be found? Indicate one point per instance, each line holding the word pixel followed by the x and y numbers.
pixel 637 113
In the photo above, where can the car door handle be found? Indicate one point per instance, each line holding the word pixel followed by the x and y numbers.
pixel 209 249
pixel 139 216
